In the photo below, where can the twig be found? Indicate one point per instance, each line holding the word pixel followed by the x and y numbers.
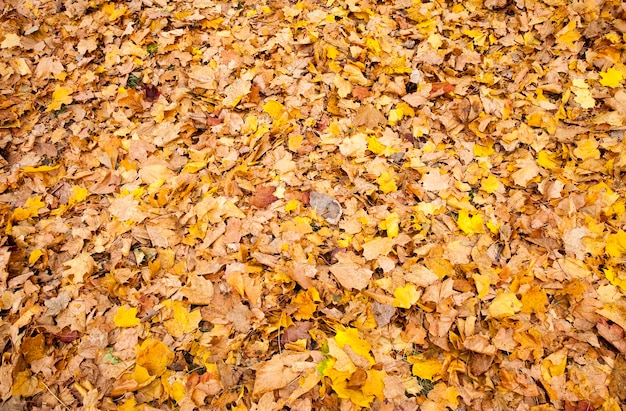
pixel 54 395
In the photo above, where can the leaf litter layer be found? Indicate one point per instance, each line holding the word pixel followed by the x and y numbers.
pixel 260 205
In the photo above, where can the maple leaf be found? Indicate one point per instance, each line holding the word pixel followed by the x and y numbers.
pixel 60 96
pixel 611 78
pixel 505 304
pixel 406 297
pixel 263 196
pixel 126 317
pixel 154 356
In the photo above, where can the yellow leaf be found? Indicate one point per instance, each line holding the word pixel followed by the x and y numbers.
pixel 373 45
pixel 194 166
pixel 483 151
pixel 583 95
pixel 60 96
pixel 128 405
pixel 587 149
pixel 543 120
pixel 614 278
pixel 374 385
pixel 482 284
pixel 350 336
pixel 305 302
pixel 391 224
pixel 331 52
pixel 126 317
pixel 566 37
pixel 534 301
pixel 40 169
pixel 616 244
pixel 470 224
pixel 183 321
pixel 504 305
pixel 173 386
pixel 611 78
pixel 547 160
pixel 406 297
pixel 490 184
pixel 31 209
pixel 114 13
pixel 357 397
pixel 377 147
pixel 295 142
pixel 154 356
pixel 34 256
pixel 387 183
pixel 141 375
pixel 78 195
pixel 25 384
pixel 425 369
pixel 274 109
pixel 554 365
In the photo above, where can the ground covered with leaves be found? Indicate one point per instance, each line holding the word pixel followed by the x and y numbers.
pixel 312 205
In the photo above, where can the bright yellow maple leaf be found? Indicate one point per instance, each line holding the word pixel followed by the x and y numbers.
pixel 374 385
pixel 61 95
pixel 483 151
pixel 566 37
pixel 154 356
pixel 490 184
pixel 547 160
pixel 470 224
pixel 534 300
pixel 378 148
pixel 616 244
pixel 274 108
pixel 183 321
pixel 424 368
pixel 611 78
pixel 340 386
pixel 391 224
pixel 113 12
pixel 482 284
pixel 406 297
pixel 78 195
pixel 615 278
pixel 587 149
pixel 173 386
pixel 126 317
pixel 554 365
pixel 350 336
pixel 31 209
pixel 504 305
pixel 387 182
pixel 306 303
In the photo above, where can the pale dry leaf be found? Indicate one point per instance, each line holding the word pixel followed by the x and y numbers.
pixel 435 181
pixel 351 275
pixel 326 206
pixel 80 267
pixel 199 290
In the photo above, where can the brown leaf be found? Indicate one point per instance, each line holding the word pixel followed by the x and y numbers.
pixel 263 196
pixel 368 116
pixel 617 383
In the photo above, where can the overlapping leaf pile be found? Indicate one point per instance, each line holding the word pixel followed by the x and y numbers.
pixel 258 205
